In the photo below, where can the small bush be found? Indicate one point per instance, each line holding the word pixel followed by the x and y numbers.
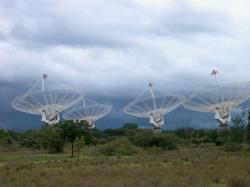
pixel 205 139
pixel 55 145
pixel 52 140
pixel 233 147
pixel 237 182
pixel 220 141
pixel 154 150
pixel 197 141
pixel 143 139
pixel 118 147
pixel 164 140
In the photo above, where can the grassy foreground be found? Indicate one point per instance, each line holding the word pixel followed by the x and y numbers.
pixel 207 166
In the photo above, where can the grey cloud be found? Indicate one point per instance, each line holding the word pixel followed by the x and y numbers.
pixel 118 45
pixel 185 21
pixel 88 26
pixel 2 37
pixel 112 49
pixel 113 24
pixel 58 34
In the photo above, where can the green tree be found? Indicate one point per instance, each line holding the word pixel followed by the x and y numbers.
pixel 79 145
pixel 88 133
pixel 3 136
pixel 70 130
pixel 51 139
pixel 238 127
pixel 29 139
pixel 6 139
pixel 3 133
pixel 248 128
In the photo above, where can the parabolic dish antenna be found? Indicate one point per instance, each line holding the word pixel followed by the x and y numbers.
pixel 87 110
pixel 47 98
pixel 153 103
pixel 219 100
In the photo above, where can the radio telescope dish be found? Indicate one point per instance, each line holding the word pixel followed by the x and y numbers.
pixel 219 100
pixel 87 110
pixel 47 98
pixel 153 103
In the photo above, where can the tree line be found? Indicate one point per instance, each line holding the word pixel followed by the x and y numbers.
pixel 126 140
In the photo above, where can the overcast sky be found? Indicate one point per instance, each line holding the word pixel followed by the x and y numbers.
pixel 119 45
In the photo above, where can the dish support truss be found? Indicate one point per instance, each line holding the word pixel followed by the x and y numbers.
pixel 223 115
pixel 50 114
pixel 156 120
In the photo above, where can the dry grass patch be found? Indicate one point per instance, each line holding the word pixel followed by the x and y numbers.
pixel 194 167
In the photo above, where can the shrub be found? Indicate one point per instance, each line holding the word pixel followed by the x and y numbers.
pixel 118 147
pixel 233 147
pixel 237 182
pixel 205 139
pixel 185 133
pixel 51 139
pixel 55 144
pixel 220 141
pixel 3 136
pixel 143 139
pixel 164 140
pixel 212 135
pixel 197 141
pixel 154 150
pixel 30 142
pixel 130 126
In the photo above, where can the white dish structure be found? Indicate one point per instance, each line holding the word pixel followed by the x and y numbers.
pixel 153 103
pixel 47 98
pixel 87 110
pixel 219 100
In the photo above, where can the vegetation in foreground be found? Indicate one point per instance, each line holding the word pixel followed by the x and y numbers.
pixel 200 166
pixel 70 154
